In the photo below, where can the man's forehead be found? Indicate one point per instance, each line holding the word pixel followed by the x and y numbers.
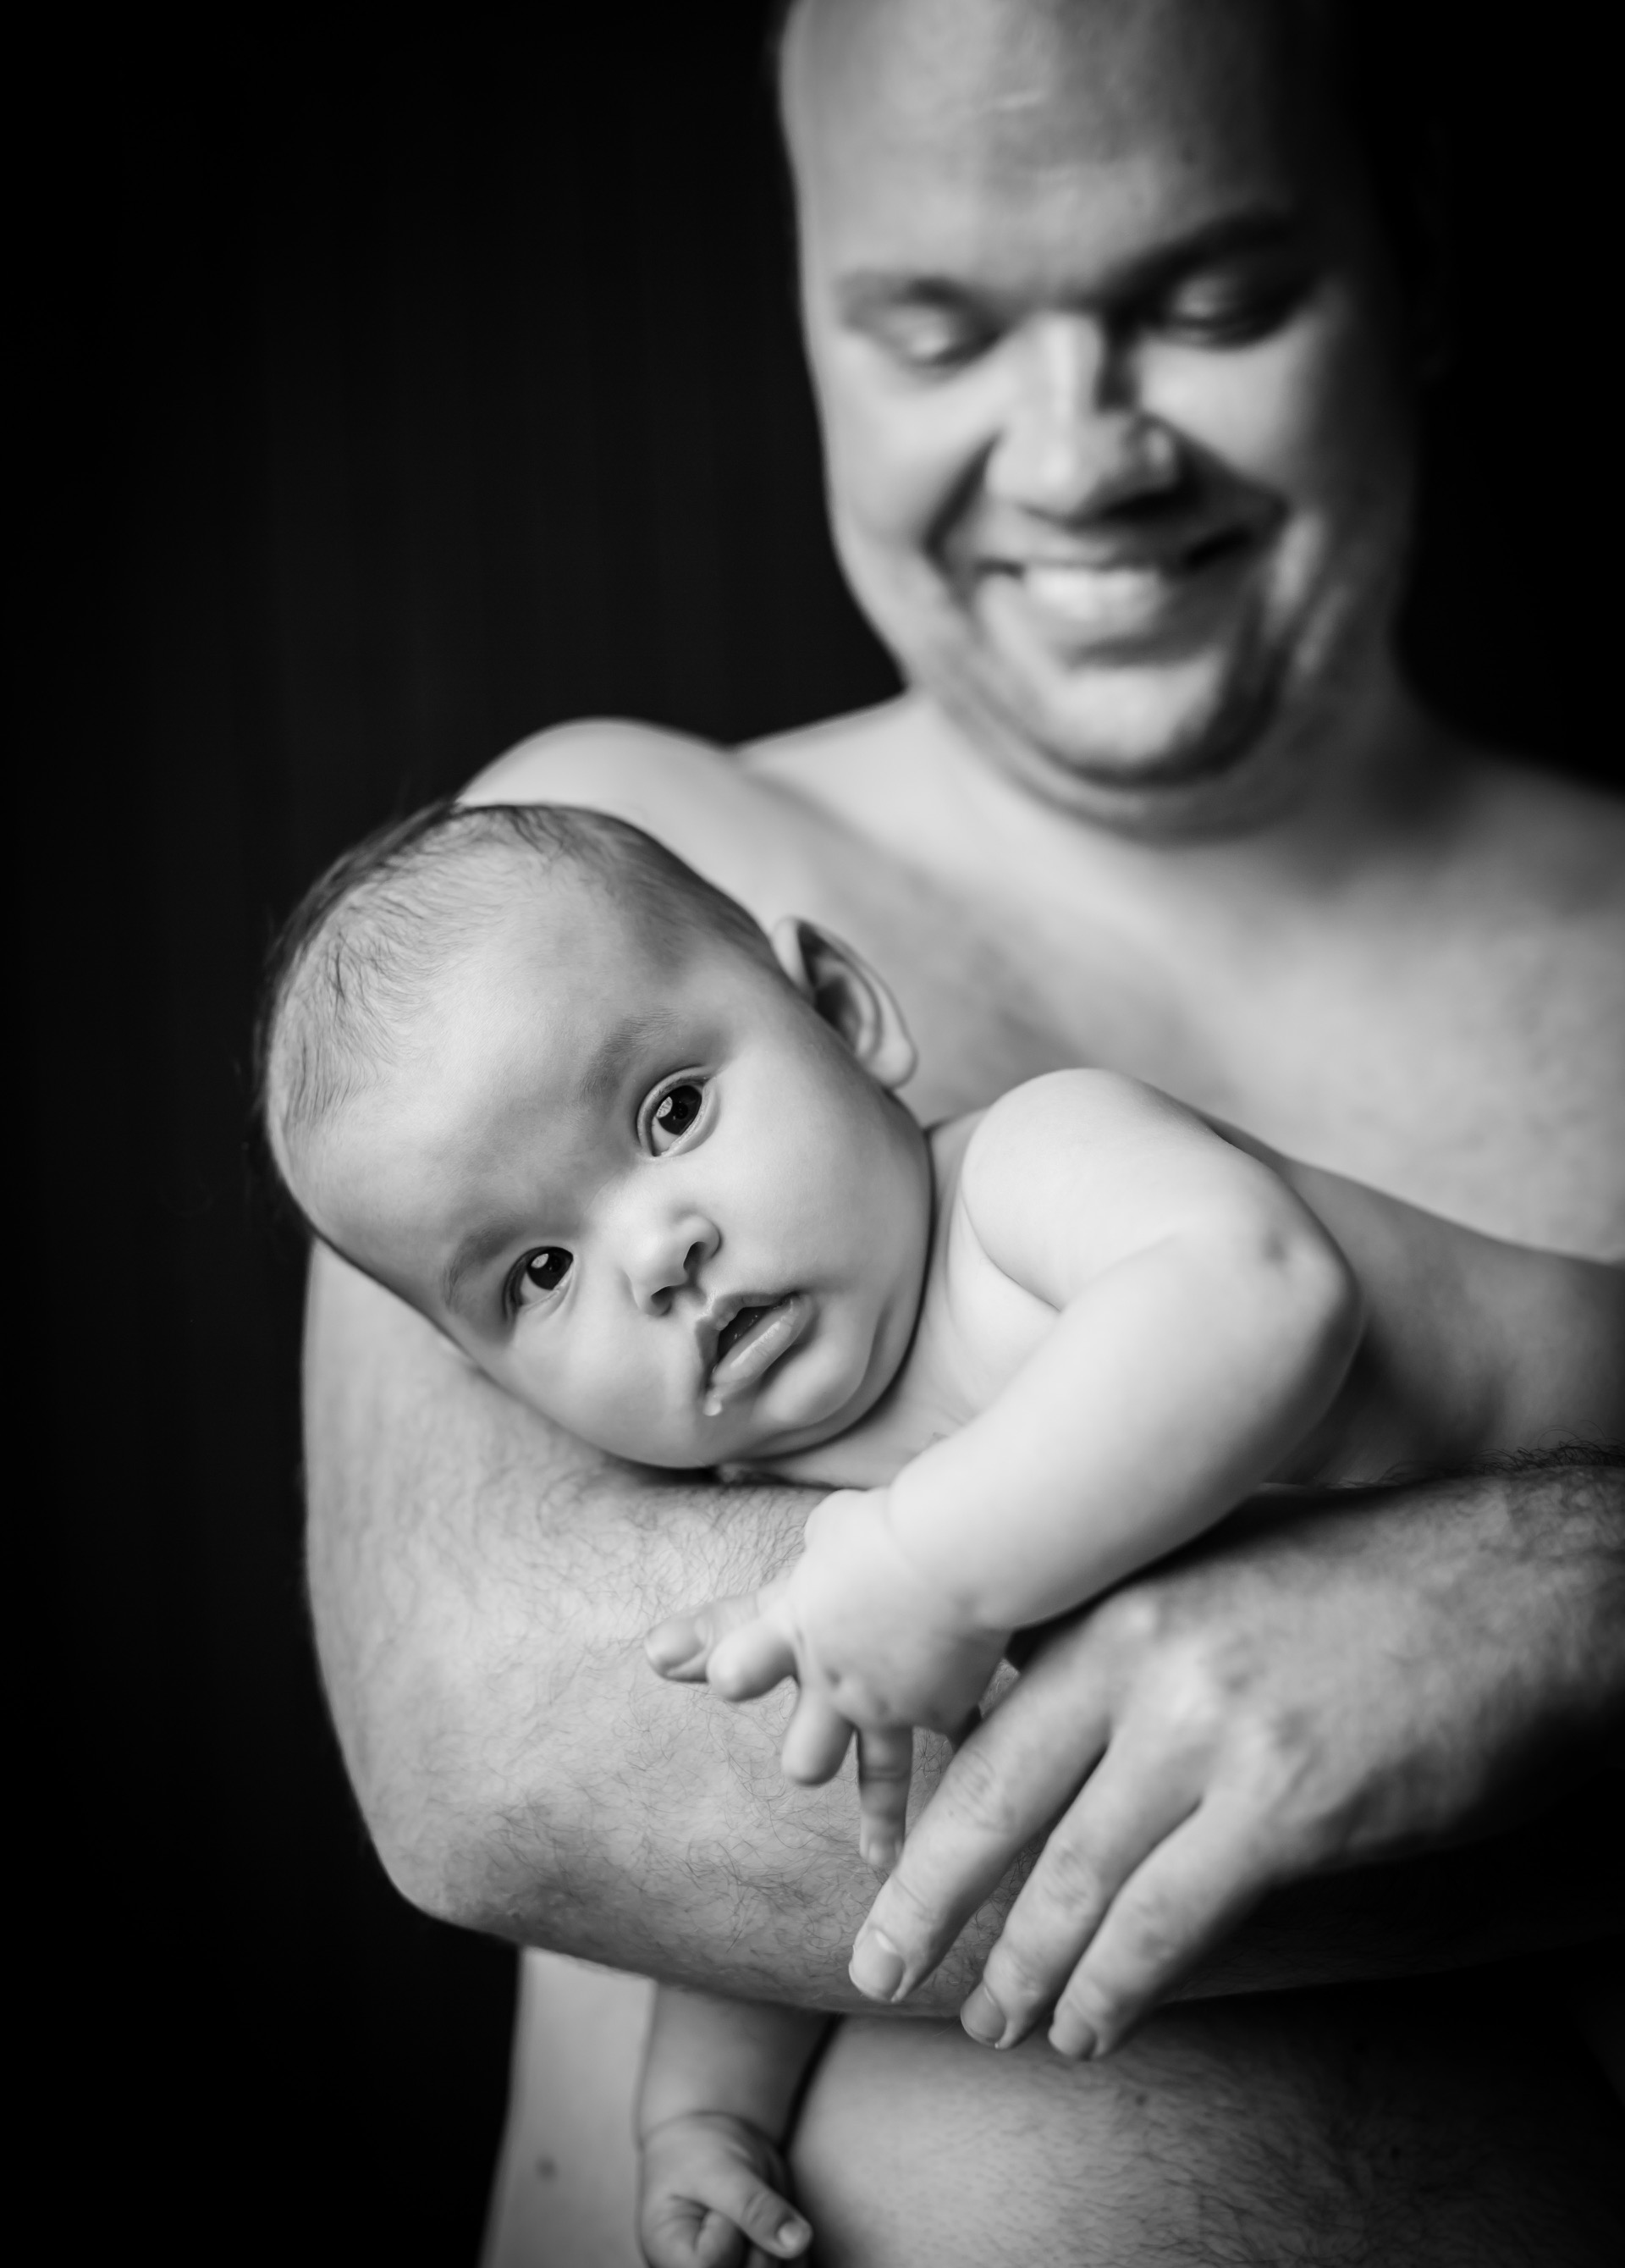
pixel 993 93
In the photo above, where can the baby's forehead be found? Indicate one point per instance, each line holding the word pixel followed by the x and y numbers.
pixel 589 940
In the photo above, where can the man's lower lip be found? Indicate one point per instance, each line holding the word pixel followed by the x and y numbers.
pixel 775 1331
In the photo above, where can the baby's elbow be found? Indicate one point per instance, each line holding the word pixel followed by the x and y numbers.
pixel 1306 1299
pixel 1323 1306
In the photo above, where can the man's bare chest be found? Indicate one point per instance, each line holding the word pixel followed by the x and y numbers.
pixel 1463 1065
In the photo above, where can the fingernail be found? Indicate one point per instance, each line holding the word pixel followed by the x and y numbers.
pixel 1071 2036
pixel 880 1852
pixel 877 1966
pixel 791 2232
pixel 983 2018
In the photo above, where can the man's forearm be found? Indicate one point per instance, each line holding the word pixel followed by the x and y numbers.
pixel 481 1588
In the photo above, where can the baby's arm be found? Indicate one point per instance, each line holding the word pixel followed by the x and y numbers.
pixel 720 2082
pixel 1205 1321
pixel 1202 1322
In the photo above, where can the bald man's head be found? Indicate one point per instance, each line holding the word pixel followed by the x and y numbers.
pixel 1113 373
pixel 1371 64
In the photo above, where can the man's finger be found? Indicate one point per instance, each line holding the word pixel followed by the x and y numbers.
pixel 1132 1802
pixel 1191 1891
pixel 885 1770
pixel 680 1647
pixel 1013 1775
pixel 815 1742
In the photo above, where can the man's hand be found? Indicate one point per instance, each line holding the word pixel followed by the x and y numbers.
pixel 1307 1691
pixel 875 1647
pixel 711 2195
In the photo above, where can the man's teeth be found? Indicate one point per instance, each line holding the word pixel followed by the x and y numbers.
pixel 1088 595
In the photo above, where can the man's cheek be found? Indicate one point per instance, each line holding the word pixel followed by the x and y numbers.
pixel 1277 415
pixel 896 466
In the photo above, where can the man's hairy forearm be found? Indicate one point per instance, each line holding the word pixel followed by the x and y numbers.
pixel 481 1586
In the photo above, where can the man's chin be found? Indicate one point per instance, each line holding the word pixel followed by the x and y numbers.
pixel 1152 764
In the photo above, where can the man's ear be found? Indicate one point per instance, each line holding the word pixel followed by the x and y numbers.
pixel 849 996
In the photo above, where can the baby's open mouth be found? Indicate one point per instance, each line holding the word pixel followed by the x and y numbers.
pixel 750 1345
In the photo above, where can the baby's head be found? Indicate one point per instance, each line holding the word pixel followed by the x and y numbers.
pixel 644 1166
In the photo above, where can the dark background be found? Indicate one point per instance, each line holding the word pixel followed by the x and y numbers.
pixel 391 405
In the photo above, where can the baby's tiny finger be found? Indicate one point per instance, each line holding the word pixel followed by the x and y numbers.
pixel 815 1742
pixel 751 1661
pixel 755 2208
pixel 682 2232
pixel 679 1648
pixel 885 1769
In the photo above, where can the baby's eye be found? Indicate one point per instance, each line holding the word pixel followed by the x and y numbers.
pixel 676 1111
pixel 540 1273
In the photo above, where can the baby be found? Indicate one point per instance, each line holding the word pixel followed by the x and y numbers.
pixel 649 1171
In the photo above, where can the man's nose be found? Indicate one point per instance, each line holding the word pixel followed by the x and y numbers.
pixel 1076 441
pixel 663 1251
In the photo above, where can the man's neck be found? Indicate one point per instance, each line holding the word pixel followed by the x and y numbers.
pixel 1375 782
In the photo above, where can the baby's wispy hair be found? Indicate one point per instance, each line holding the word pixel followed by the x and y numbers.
pixel 362 951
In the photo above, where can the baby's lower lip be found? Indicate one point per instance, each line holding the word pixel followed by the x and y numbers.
pixel 772 1333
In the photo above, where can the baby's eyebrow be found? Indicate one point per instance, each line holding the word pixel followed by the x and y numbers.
pixel 477 1249
pixel 621 1045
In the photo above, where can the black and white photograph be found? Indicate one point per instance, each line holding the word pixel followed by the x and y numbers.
pixel 824 989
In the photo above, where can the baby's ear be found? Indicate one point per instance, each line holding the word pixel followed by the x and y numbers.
pixel 849 996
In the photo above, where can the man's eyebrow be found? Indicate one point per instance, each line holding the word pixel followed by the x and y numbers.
pixel 868 291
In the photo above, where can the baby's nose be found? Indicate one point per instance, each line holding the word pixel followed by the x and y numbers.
pixel 669 1255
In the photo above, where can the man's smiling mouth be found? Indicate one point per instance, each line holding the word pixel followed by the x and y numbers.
pixel 749 1344
pixel 1131 576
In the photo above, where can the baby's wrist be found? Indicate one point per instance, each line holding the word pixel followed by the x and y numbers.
pixel 954 1607
pixel 709 2121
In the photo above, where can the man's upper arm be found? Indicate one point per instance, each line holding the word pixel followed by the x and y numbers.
pixel 699 801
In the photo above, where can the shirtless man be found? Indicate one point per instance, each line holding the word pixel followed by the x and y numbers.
pixel 1116 376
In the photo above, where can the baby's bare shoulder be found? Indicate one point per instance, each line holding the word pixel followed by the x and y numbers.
pixel 1070 1173
pixel 1072 1114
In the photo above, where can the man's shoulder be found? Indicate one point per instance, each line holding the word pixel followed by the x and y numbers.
pixel 1554 842
pixel 740 831
pixel 759 823
pixel 613 765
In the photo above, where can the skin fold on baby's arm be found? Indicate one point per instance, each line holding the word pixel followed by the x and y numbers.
pixel 718 2091
pixel 1204 1318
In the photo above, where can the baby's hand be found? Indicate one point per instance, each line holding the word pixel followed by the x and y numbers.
pixel 710 2196
pixel 874 1645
